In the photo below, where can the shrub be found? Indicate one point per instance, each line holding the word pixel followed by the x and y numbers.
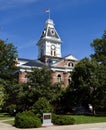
pixel 41 106
pixel 27 119
pixel 62 120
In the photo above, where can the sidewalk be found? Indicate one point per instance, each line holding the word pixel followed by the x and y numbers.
pixel 94 126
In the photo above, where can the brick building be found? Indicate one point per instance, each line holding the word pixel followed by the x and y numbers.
pixel 49 54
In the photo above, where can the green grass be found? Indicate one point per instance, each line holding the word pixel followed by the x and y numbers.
pixel 4 117
pixel 82 119
pixel 9 122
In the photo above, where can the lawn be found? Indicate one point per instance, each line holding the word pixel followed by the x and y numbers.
pixel 82 119
pixel 9 122
pixel 4 117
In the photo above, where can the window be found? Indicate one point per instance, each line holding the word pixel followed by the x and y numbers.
pixel 53 50
pixel 69 79
pixel 26 79
pixel 59 78
pixel 70 64
pixel 41 52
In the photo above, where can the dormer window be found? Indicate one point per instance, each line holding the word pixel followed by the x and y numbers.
pixel 52 32
pixel 59 78
pixel 70 64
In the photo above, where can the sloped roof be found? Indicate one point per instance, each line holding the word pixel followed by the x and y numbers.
pixel 36 63
pixel 70 57
pixel 49 32
pixel 30 63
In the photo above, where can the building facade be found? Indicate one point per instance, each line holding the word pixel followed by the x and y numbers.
pixel 49 55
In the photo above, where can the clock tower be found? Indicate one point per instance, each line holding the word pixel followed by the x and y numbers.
pixel 49 44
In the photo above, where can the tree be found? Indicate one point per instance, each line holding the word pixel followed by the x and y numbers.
pixel 89 77
pixel 40 82
pixel 38 86
pixel 42 106
pixel 8 55
pixel 99 46
pixel 66 101
pixel 2 96
pixel 99 55
pixel 85 79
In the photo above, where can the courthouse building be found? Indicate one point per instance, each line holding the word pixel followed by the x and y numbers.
pixel 49 55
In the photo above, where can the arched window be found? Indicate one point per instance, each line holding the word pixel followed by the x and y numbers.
pixel 41 52
pixel 53 50
pixel 70 64
pixel 26 79
pixel 69 79
pixel 59 78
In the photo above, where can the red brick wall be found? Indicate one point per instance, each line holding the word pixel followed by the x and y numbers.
pixel 22 77
pixel 64 77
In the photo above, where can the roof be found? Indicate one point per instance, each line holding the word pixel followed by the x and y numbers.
pixel 71 57
pixel 50 32
pixel 30 63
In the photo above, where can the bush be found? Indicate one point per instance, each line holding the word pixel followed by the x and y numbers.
pixel 62 120
pixel 27 119
pixel 11 109
pixel 41 106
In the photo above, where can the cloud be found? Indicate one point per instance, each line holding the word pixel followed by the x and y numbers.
pixel 7 4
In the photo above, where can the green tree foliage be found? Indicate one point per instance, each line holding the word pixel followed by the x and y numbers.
pixel 42 106
pixel 85 73
pixel 8 55
pixel 2 96
pixel 99 55
pixel 66 101
pixel 12 89
pixel 40 83
pixel 99 46
pixel 89 77
pixel 85 81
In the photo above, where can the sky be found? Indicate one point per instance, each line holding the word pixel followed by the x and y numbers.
pixel 78 23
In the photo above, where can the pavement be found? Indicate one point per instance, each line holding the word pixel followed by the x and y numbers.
pixel 94 126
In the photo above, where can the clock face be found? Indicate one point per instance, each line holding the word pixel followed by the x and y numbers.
pixel 53 47
pixel 52 31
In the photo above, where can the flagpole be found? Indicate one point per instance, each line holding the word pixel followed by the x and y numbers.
pixel 49 13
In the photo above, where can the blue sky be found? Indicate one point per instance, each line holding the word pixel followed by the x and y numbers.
pixel 78 22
